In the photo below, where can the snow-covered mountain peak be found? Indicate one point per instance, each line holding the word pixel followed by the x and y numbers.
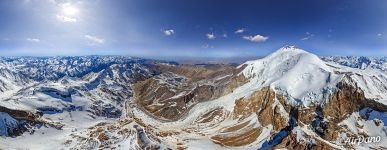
pixel 302 75
pixel 290 48
pixel 287 53
pixel 306 78
pixel 283 60
pixel 107 102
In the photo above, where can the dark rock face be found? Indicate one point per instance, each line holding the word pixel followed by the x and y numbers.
pixel 323 118
pixel 345 101
pixel 105 110
pixel 55 93
pixel 15 122
pixel 19 114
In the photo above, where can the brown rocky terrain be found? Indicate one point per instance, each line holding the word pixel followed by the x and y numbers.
pixel 261 103
pixel 323 119
pixel 347 99
pixel 257 115
pixel 27 121
pixel 269 107
pixel 291 142
pixel 235 140
pixel 21 115
pixel 171 99
pixel 172 93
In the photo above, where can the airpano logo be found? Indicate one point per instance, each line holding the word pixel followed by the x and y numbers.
pixel 361 139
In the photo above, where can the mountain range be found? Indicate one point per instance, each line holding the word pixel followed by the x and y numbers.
pixel 290 99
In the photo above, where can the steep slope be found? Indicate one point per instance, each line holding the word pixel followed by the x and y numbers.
pixel 301 75
pixel 68 95
pixel 172 93
pixel 11 81
pixel 371 74
pixel 286 94
pixel 290 99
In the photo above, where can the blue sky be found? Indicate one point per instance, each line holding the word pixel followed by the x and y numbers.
pixel 191 28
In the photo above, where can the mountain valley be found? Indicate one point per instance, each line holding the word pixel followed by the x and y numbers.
pixel 290 99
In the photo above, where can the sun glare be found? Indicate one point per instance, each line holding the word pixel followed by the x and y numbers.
pixel 70 10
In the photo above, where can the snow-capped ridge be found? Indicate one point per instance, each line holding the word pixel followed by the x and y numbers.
pixel 290 70
pixel 307 78
pixel 291 48
pixel 285 52
pixel 360 62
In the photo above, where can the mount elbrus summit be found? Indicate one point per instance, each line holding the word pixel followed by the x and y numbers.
pixel 289 99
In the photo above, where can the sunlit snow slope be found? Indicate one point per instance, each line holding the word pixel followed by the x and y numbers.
pixel 289 99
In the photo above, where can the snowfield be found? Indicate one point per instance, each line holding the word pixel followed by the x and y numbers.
pixel 91 99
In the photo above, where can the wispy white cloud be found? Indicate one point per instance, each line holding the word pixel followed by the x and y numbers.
pixel 36 40
pixel 210 36
pixel 256 38
pixel 94 41
pixel 379 35
pixel 169 32
pixel 207 46
pixel 63 18
pixel 239 31
pixel 308 35
pixel 225 35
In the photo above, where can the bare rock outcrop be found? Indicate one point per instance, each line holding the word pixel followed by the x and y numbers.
pixel 262 103
pixel 171 94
